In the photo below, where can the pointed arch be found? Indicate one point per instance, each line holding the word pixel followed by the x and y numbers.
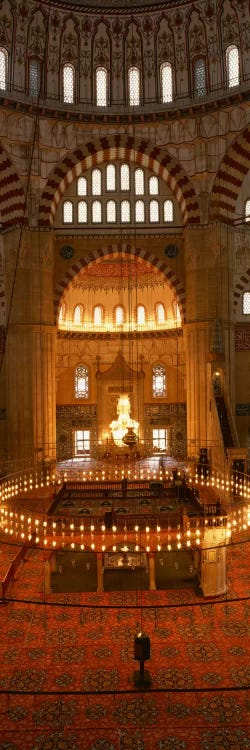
pixel 229 178
pixel 125 148
pixel 109 250
pixel 12 196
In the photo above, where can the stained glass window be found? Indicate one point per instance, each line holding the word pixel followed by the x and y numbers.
pixel 154 211
pixel 159 380
pixel 3 68
pixel 110 177
pixel 68 84
pixel 78 314
pixel 247 210
pixel 81 186
pixel 139 182
pixel 101 87
pixel 68 212
pixel 139 211
pixel 168 209
pixel 98 315
pixel 82 212
pixel 119 315
pixel 232 66
pixel 153 186
pixel 111 212
pixel 125 181
pixel 81 382
pixel 140 314
pixel 96 212
pixel 96 182
pixel 134 86
pixel 34 77
pixel 199 77
pixel 125 211
pixel 160 313
pixel 246 303
pixel 166 83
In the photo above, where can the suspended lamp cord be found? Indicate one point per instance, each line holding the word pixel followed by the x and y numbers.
pixel 36 129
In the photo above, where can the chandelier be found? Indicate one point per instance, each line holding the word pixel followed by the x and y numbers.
pixel 124 429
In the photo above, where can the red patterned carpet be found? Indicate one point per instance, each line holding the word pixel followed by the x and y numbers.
pixel 66 679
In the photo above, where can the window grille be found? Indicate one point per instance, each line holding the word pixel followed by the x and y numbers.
pixel 134 86
pixel 247 210
pixel 101 87
pixel 96 182
pixel 68 212
pixel 159 380
pixel 98 315
pixel 154 211
pixel 81 382
pixel 125 212
pixel 111 212
pixel 3 69
pixel 96 212
pixel 232 66
pixel 110 177
pixel 246 303
pixel 140 314
pixel 153 186
pixel 82 212
pixel 119 315
pixel 82 442
pixel 125 177
pixel 34 77
pixel 168 210
pixel 139 211
pixel 78 314
pixel 68 84
pixel 200 77
pixel 160 313
pixel 160 439
pixel 139 182
pixel 82 186
pixel 166 83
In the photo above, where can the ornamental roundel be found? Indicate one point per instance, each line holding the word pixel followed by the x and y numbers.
pixel 67 252
pixel 171 251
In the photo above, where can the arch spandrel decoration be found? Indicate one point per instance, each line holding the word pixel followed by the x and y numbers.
pixel 125 148
pixel 110 250
pixel 229 178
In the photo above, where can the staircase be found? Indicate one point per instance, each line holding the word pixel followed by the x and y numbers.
pixel 225 426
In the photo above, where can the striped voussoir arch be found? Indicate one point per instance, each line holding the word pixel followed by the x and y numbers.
pixel 110 250
pixel 128 149
pixel 12 197
pixel 233 168
pixel 242 285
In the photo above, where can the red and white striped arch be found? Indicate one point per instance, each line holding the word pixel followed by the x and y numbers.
pixel 229 178
pixel 242 285
pixel 128 149
pixel 12 196
pixel 110 250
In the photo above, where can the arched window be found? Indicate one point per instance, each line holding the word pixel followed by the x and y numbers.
pixel 110 177
pixel 160 313
pixel 153 186
pixel 140 315
pixel 159 380
pixel 246 303
pixel 82 212
pixel 154 211
pixel 139 182
pixel 62 313
pixel 134 86
pixel 68 84
pixel 176 311
pixel 68 212
pixel 139 211
pixel 125 212
pixel 96 182
pixel 81 381
pixel 199 77
pixel 124 177
pixel 78 315
pixel 247 210
pixel 34 76
pixel 119 315
pixel 232 66
pixel 81 186
pixel 111 212
pixel 3 68
pixel 168 210
pixel 166 79
pixel 98 315
pixel 101 87
pixel 96 212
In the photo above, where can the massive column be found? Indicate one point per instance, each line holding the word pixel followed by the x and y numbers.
pixel 30 348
